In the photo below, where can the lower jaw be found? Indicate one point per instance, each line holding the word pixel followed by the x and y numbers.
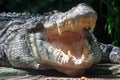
pixel 71 72
pixel 67 68
pixel 79 55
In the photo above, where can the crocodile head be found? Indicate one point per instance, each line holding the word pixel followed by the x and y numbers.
pixel 65 34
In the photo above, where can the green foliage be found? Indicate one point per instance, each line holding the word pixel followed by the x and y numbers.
pixel 112 17
pixel 110 23
pixel 32 6
pixel 89 2
pixel 113 20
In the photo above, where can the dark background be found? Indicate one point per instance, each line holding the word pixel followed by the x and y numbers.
pixel 108 24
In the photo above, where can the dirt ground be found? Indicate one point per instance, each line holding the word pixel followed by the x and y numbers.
pixel 98 72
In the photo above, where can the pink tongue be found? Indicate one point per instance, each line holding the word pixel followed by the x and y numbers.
pixel 65 37
pixel 68 41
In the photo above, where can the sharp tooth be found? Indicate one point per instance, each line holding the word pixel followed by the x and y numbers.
pixel 92 28
pixel 69 22
pixel 82 57
pixel 72 26
pixel 69 54
pixel 59 31
pixel 78 62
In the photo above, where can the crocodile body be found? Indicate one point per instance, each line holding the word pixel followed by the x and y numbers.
pixel 36 41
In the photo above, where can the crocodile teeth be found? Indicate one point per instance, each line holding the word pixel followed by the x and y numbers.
pixel 59 31
pixel 71 24
pixel 79 61
pixel 93 25
pixel 88 59
pixel 72 27
pixel 69 54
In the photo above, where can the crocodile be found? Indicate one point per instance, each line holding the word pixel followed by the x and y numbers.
pixel 63 41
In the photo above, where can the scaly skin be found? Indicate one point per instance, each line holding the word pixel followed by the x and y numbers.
pixel 61 41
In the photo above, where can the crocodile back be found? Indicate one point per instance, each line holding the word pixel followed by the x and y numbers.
pixel 10 25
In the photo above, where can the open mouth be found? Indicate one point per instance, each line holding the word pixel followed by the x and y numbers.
pixel 62 44
pixel 65 46
pixel 70 40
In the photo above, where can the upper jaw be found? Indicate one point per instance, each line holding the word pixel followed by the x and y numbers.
pixel 80 12
pixel 73 25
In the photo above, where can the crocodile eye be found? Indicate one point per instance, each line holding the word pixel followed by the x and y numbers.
pixel 37 28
